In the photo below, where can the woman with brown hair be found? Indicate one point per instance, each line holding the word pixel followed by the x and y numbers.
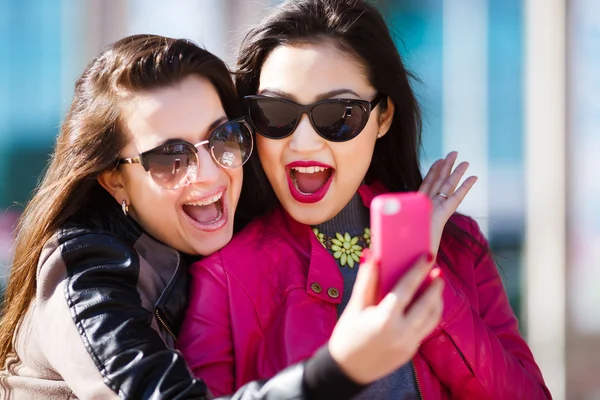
pixel 144 178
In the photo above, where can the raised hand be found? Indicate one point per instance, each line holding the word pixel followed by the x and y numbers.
pixel 440 184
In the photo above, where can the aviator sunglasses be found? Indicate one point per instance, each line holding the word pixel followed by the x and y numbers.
pixel 336 120
pixel 175 164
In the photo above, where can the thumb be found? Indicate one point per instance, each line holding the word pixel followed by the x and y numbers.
pixel 363 294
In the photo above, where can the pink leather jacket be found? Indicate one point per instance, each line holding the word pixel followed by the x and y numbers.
pixel 254 309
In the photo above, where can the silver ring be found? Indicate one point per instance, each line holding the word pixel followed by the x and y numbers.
pixel 444 195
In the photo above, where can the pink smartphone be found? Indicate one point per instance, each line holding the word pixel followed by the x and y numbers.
pixel 400 235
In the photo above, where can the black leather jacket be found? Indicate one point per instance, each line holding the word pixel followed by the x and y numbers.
pixel 123 294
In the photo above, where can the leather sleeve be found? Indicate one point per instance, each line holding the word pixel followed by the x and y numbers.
pixel 98 290
pixel 320 378
pixel 485 345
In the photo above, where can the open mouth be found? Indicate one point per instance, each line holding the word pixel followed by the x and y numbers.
pixel 208 213
pixel 309 183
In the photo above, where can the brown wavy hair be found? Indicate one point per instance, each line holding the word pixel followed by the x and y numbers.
pixel 89 143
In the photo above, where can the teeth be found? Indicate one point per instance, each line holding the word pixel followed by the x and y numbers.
pixel 207 201
pixel 309 170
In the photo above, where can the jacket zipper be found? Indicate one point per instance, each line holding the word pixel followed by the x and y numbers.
pixel 417 380
pixel 164 324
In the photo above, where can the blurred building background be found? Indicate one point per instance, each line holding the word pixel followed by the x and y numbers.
pixel 513 85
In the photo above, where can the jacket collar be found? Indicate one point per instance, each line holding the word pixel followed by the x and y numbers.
pixel 325 280
pixel 172 302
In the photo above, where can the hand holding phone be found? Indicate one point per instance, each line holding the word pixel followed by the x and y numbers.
pixel 400 235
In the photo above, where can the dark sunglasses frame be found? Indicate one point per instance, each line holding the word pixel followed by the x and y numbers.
pixel 143 159
pixel 367 107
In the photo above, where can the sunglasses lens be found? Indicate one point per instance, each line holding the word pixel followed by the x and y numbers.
pixel 273 118
pixel 231 144
pixel 169 165
pixel 339 121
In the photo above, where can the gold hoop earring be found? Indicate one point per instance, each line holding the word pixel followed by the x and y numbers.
pixel 125 207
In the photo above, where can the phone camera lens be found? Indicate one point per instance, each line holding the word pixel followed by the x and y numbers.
pixel 391 206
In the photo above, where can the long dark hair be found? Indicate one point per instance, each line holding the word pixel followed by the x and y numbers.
pixel 359 29
pixel 89 143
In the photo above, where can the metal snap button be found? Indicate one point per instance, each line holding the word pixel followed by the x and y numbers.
pixel 316 287
pixel 333 293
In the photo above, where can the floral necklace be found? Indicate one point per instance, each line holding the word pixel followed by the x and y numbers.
pixel 345 248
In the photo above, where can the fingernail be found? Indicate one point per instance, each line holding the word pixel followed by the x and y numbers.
pixel 365 256
pixel 430 258
pixel 435 273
